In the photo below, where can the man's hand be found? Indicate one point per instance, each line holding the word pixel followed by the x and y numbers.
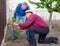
pixel 16 26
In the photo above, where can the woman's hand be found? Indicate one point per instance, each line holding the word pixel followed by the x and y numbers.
pixel 15 26
pixel 10 23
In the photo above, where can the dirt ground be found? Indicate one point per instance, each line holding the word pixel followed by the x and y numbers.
pixel 22 40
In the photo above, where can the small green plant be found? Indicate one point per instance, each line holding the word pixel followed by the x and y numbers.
pixel 50 44
pixel 10 38
pixel 13 19
pixel 19 31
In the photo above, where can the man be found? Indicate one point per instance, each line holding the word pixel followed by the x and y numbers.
pixel 19 14
pixel 36 25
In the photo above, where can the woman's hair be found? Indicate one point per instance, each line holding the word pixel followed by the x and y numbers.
pixel 24 3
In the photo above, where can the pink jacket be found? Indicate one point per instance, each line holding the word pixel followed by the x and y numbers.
pixel 34 20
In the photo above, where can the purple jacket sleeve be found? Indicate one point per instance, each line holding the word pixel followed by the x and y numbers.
pixel 28 23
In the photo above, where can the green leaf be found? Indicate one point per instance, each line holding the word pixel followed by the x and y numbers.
pixel 58 7
pixel 49 10
pixel 47 4
pixel 10 38
pixel 13 19
pixel 19 31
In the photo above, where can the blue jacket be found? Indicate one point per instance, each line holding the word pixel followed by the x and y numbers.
pixel 19 10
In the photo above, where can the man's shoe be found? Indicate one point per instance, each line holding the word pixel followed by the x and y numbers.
pixel 56 40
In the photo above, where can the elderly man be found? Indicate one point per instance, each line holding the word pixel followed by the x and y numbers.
pixel 36 25
pixel 19 14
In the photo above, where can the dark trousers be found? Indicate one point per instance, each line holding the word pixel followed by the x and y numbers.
pixel 42 35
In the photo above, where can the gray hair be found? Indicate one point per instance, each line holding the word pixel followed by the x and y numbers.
pixel 24 3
